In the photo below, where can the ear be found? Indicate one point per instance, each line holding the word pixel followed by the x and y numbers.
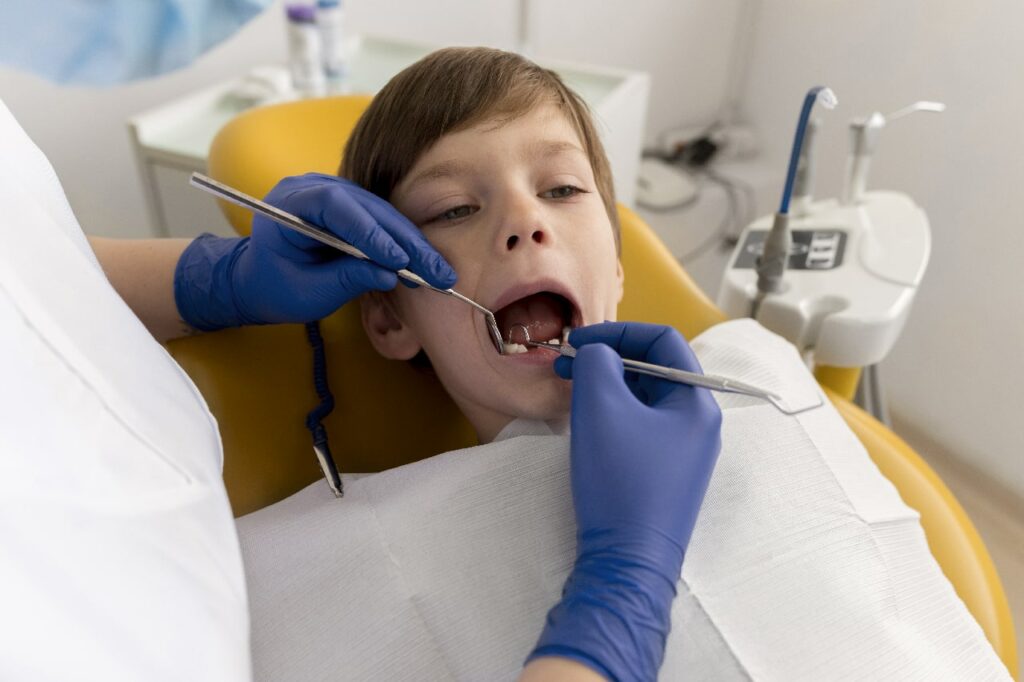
pixel 385 329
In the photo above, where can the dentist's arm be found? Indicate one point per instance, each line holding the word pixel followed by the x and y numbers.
pixel 642 453
pixel 142 273
pixel 177 287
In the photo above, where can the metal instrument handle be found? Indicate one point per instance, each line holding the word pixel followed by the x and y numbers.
pixel 680 376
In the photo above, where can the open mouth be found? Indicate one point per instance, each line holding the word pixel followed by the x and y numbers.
pixel 547 316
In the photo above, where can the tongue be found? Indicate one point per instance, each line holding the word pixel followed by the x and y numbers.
pixel 542 314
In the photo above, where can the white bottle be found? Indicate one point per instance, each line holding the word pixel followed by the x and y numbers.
pixel 304 51
pixel 330 16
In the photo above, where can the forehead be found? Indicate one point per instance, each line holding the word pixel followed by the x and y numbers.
pixel 540 133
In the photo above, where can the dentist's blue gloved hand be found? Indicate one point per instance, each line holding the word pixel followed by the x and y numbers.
pixel 643 450
pixel 278 275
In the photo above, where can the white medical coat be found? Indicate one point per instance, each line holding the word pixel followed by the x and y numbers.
pixel 119 558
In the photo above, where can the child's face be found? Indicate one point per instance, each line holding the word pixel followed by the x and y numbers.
pixel 514 208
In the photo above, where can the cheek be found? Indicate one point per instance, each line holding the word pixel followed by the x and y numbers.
pixel 459 246
pixel 612 293
pixel 597 253
pixel 431 316
pixel 442 325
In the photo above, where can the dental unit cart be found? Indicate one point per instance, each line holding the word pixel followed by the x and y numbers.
pixel 853 266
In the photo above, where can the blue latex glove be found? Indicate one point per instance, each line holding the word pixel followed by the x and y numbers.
pixel 643 450
pixel 278 275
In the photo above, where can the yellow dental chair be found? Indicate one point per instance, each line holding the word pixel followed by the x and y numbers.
pixel 258 380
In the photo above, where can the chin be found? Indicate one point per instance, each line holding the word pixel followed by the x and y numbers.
pixel 552 402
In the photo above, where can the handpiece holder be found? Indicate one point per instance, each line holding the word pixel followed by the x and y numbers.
pixel 864 134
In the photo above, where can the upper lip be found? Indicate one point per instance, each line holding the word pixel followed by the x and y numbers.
pixel 524 289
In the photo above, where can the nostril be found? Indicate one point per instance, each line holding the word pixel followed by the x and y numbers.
pixel 512 241
pixel 538 236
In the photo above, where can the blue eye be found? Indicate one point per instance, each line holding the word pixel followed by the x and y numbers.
pixel 563 192
pixel 458 212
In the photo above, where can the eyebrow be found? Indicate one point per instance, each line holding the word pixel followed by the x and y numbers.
pixel 546 148
pixel 453 168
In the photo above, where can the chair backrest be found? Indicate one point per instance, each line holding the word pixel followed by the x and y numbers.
pixel 261 146
pixel 258 380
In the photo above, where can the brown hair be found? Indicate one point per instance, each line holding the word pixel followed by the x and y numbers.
pixel 452 89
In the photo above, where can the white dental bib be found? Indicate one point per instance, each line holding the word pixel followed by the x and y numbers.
pixel 804 565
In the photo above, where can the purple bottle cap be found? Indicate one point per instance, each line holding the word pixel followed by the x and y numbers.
pixel 301 13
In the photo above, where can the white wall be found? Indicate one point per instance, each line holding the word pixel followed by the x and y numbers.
pixel 956 374
pixel 686 45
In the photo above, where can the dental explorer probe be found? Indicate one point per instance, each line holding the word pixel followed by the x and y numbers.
pixel 680 376
pixel 234 196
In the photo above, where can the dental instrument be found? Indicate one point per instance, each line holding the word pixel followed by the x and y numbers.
pixel 771 265
pixel 864 134
pixel 292 222
pixel 803 184
pixel 709 381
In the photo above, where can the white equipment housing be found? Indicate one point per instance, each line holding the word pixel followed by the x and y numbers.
pixel 852 275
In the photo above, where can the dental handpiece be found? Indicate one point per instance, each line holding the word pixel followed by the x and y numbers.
pixel 239 198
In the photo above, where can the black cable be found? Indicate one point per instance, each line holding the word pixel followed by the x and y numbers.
pixel 314 420
pixel 749 203
pixel 717 236
pixel 741 199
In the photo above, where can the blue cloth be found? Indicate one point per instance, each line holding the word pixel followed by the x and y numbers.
pixel 103 42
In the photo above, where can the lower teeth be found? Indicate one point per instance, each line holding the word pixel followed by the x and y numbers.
pixel 516 348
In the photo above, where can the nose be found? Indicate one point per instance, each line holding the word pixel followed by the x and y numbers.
pixel 537 236
pixel 522 225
